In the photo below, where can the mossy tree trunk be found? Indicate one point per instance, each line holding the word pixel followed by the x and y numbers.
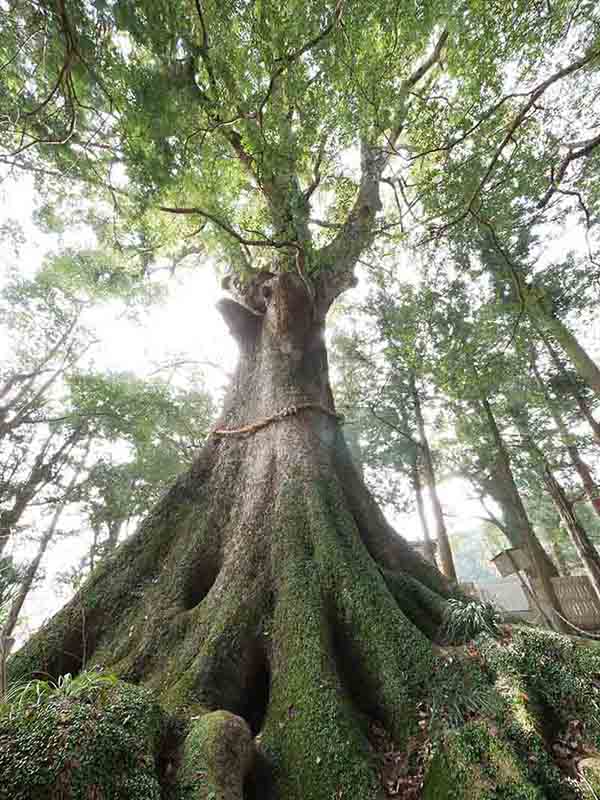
pixel 275 612
pixel 263 572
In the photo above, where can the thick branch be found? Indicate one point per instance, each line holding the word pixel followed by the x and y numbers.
pixel 357 232
pixel 412 81
pixel 225 226
pixel 243 323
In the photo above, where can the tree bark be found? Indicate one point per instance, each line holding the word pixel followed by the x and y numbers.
pixel 428 545
pixel 445 551
pixel 578 535
pixel 573 389
pixel 265 572
pixel 582 469
pixel 544 569
pixel 279 618
pixel 585 366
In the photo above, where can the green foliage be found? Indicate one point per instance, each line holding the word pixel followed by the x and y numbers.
pixel 21 697
pixel 241 126
pixel 86 736
pixel 233 112
pixel 161 427
pixel 466 620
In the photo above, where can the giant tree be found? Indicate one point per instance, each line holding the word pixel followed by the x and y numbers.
pixel 265 598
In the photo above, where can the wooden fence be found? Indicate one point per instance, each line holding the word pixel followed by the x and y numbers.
pixel 578 601
pixel 574 593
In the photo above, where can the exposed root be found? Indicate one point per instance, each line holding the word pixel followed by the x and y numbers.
pixel 295 617
pixel 217 756
pixel 425 609
pixel 313 738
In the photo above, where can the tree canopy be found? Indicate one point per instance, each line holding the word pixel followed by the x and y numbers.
pixel 308 131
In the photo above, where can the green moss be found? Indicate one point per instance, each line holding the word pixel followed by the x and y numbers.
pixel 556 672
pixel 299 597
pixel 506 702
pixel 106 740
pixel 391 655
pixel 217 755
pixel 314 740
pixel 473 763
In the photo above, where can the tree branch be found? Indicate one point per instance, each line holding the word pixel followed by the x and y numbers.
pixel 413 79
pixel 263 242
pixel 357 232
pixel 524 110
pixel 296 54
pixel 584 149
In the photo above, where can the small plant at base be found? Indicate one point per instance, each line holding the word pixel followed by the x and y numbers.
pixel 34 693
pixel 465 620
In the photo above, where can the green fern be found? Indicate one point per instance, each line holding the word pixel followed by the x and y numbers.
pixel 32 694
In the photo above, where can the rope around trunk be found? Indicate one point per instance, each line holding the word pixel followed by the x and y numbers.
pixel 288 411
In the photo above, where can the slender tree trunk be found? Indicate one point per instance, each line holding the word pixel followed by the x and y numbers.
pixel 544 568
pixel 30 574
pixel 582 469
pixel 559 558
pixel 34 565
pixel 114 530
pixel 584 365
pixel 585 549
pixel 353 440
pixel 428 545
pixel 573 388
pixel 94 547
pixel 39 476
pixel 445 551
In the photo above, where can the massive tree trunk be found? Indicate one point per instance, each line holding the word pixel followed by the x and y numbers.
pixel 284 623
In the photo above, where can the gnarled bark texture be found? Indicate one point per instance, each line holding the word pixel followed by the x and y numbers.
pixel 278 616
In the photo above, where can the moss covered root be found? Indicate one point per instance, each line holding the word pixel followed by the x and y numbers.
pixel 282 637
pixel 217 756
